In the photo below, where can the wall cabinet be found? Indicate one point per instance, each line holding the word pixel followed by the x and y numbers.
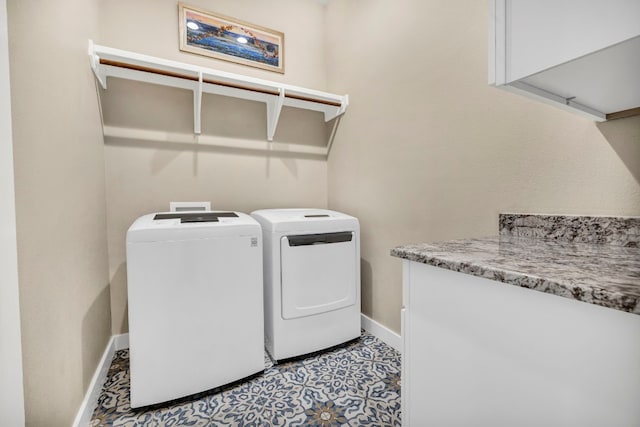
pixel 580 55
pixel 477 352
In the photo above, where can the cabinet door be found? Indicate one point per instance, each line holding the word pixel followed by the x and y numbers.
pixel 544 33
pixel 486 353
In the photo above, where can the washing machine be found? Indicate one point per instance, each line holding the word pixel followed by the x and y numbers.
pixel 311 279
pixel 195 303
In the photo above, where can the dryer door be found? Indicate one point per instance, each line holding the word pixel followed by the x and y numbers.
pixel 318 273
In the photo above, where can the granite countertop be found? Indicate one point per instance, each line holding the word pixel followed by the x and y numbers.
pixel 603 274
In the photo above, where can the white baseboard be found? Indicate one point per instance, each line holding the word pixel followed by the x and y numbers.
pixel 381 332
pixel 83 418
pixel 121 341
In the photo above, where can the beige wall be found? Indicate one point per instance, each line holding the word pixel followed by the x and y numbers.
pixel 143 177
pixel 60 205
pixel 428 151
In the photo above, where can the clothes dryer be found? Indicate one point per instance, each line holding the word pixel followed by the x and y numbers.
pixel 311 279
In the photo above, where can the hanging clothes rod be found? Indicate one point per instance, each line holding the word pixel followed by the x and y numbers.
pixel 211 81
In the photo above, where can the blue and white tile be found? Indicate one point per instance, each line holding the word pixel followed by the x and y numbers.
pixel 354 384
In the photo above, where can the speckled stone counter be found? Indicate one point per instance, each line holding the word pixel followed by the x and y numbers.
pixel 605 274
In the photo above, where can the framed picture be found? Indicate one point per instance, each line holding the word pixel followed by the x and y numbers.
pixel 222 37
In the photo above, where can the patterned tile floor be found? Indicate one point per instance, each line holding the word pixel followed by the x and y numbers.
pixel 356 384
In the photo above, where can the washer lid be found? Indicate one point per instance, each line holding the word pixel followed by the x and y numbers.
pixel 304 220
pixel 195 216
pixel 191 225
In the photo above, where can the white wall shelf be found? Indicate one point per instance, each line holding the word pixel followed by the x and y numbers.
pixel 110 62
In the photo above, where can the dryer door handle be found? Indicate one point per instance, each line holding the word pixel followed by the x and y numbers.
pixel 320 239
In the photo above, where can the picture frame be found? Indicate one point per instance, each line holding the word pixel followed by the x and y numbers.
pixel 223 37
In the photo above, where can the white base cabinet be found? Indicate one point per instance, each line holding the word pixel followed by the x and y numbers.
pixel 477 352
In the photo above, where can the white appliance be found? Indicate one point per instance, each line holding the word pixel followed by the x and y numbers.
pixel 195 303
pixel 311 279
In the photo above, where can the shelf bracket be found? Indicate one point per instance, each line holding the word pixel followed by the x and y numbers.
pixel 274 107
pixel 328 115
pixel 95 62
pixel 197 106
